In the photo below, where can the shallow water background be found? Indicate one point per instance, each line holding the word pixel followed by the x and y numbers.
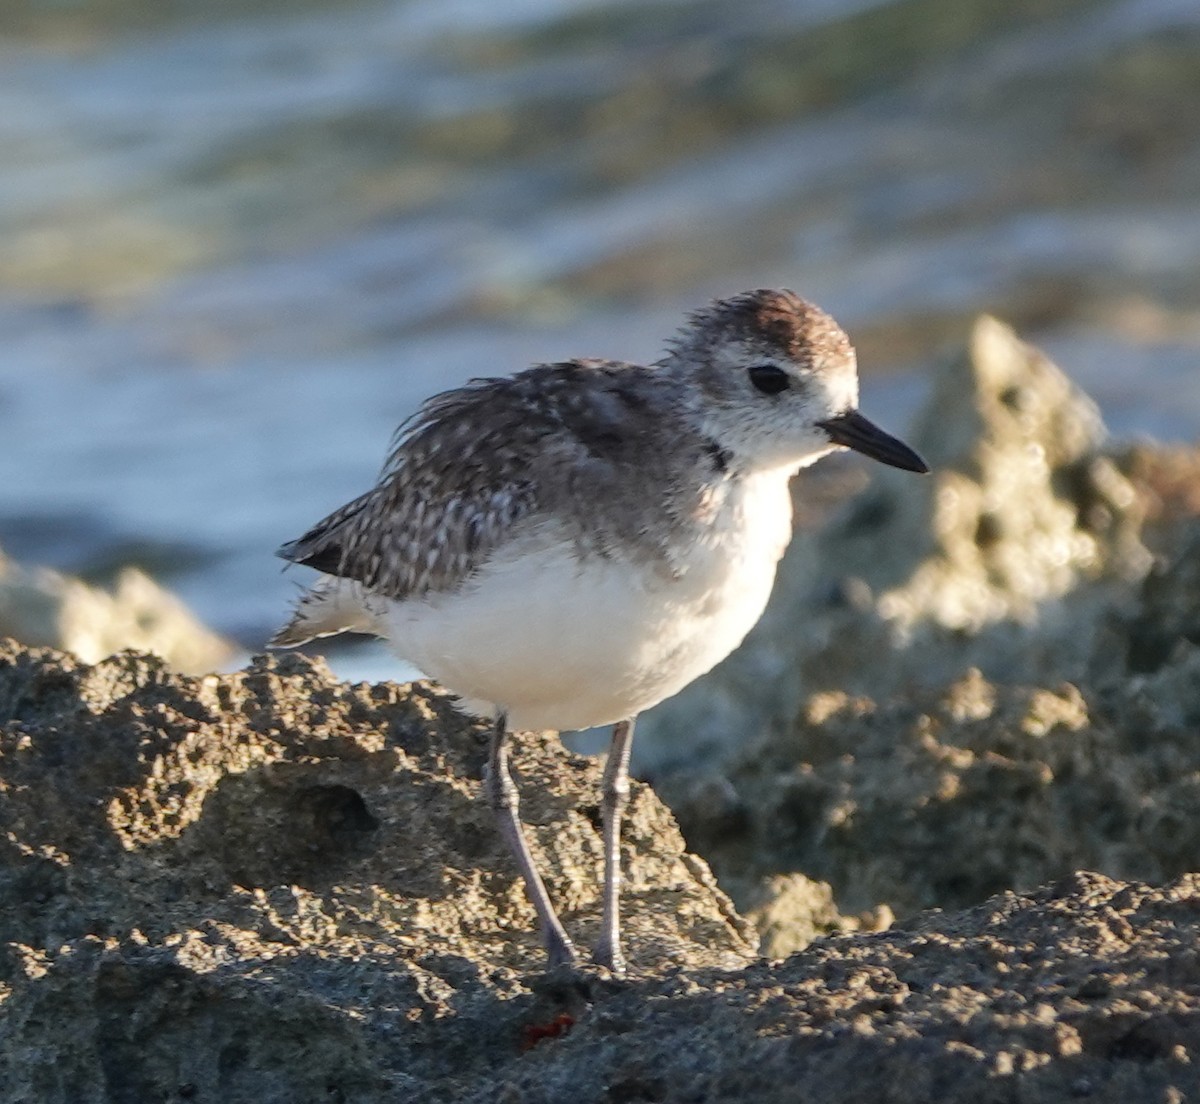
pixel 240 241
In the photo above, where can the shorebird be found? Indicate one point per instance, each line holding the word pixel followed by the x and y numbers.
pixel 569 546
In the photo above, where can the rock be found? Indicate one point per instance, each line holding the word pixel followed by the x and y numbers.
pixel 272 887
pixel 44 608
pixel 953 796
pixel 789 911
pixel 947 795
pixel 1165 622
pixel 1022 508
pixel 1086 989
pixel 917 580
pixel 1167 480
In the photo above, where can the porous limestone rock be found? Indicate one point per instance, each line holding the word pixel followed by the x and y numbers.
pixel 45 608
pixel 271 886
pixel 946 795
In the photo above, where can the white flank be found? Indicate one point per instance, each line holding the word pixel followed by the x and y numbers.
pixel 560 642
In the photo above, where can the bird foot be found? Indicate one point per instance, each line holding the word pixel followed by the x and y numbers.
pixel 609 955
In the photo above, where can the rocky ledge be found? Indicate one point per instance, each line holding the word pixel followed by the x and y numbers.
pixel 271 886
pixel 274 887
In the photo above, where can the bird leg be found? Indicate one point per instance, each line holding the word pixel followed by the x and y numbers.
pixel 505 801
pixel 615 797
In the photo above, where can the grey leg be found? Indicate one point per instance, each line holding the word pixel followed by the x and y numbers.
pixel 615 797
pixel 506 802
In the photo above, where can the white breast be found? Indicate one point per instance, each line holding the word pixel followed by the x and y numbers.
pixel 560 642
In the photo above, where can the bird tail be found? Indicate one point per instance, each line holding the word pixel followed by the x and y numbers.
pixel 332 606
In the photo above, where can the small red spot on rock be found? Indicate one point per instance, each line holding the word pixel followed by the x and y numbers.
pixel 535 1033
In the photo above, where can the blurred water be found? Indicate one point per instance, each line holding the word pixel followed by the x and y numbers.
pixel 236 248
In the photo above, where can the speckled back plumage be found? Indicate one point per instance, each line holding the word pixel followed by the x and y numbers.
pixel 623 457
pixel 459 482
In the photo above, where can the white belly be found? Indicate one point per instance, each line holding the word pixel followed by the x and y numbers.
pixel 562 643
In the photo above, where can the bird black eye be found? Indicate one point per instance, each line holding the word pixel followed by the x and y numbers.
pixel 769 379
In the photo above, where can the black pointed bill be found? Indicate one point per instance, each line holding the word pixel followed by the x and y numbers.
pixel 861 434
